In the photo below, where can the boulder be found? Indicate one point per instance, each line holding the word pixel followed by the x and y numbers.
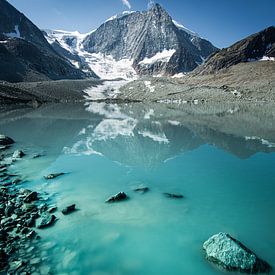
pixel 46 221
pixel 4 140
pixel 121 196
pixel 69 209
pixel 232 255
pixel 18 154
pixel 31 197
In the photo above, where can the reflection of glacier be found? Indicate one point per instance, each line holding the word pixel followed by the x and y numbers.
pixel 136 134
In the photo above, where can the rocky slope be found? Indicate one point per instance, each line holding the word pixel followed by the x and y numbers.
pixel 134 43
pixel 25 54
pixel 259 46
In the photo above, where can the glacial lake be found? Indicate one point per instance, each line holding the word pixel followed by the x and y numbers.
pixel 220 158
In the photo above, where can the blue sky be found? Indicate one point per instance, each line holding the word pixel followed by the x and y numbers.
pixel 223 22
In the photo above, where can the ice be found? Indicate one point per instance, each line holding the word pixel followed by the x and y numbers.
pixel 163 56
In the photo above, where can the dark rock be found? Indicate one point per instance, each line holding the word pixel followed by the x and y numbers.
pixel 31 197
pixel 173 196
pixel 30 222
pixel 69 209
pixel 4 140
pixel 9 210
pixel 14 266
pixel 52 209
pixel 18 154
pixel 142 190
pixel 253 47
pixel 46 221
pixel 53 176
pixel 231 254
pixel 121 196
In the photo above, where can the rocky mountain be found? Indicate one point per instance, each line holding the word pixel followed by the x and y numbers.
pixel 135 43
pixel 25 54
pixel 259 46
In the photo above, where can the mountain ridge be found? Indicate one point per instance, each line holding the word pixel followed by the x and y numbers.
pixel 129 37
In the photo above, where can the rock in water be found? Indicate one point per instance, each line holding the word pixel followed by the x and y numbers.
pixel 231 254
pixel 18 154
pixel 31 197
pixel 4 140
pixel 46 221
pixel 121 196
pixel 173 196
pixel 53 176
pixel 69 209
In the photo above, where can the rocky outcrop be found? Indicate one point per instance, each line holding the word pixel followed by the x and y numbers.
pixel 255 47
pixel 231 254
pixel 25 54
pixel 152 40
pixel 4 140
pixel 121 196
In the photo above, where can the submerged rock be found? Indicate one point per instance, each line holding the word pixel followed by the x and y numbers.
pixel 53 176
pixel 69 209
pixel 231 254
pixel 121 196
pixel 142 190
pixel 173 196
pixel 4 140
pixel 46 221
pixel 18 154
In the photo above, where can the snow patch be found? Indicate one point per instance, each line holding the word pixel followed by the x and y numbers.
pixel 267 58
pixel 160 138
pixel 112 128
pixel 15 33
pixel 163 56
pixel 263 141
pixel 149 114
pixel 148 86
pixel 174 122
pixel 117 16
pixel 181 27
pixel 109 89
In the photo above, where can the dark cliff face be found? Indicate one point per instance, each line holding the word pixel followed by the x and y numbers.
pixel 25 54
pixel 141 35
pixel 252 48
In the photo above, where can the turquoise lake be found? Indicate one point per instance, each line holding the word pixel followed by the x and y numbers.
pixel 221 159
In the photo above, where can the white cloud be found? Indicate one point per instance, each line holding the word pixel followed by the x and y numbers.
pixel 126 3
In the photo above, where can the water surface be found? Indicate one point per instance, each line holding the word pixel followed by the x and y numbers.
pixel 221 158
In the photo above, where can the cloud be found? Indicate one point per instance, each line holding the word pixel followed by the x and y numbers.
pixel 126 3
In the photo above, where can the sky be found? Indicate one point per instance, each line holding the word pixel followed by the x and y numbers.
pixel 223 22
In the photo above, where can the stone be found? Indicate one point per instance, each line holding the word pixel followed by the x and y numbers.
pixel 173 196
pixel 15 265
pixel 142 190
pixel 31 197
pixel 231 254
pixel 52 209
pixel 69 209
pixel 121 196
pixel 53 176
pixel 18 154
pixel 46 220
pixel 4 140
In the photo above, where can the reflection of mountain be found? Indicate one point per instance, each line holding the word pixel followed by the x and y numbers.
pixel 141 135
pixel 147 135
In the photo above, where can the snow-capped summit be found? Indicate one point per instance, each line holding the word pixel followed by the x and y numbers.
pixel 134 43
